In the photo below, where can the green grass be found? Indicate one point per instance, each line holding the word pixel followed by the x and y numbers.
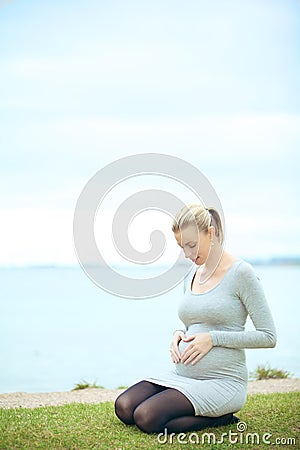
pixel 266 372
pixel 84 426
pixel 85 384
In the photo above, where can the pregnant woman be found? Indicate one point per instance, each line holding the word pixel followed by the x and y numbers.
pixel 209 380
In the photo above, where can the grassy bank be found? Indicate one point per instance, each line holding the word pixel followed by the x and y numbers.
pixel 85 426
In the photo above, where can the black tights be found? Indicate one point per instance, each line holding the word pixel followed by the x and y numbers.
pixel 154 408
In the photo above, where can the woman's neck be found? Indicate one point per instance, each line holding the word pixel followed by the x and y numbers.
pixel 213 262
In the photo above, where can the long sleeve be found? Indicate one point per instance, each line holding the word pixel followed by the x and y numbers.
pixel 249 291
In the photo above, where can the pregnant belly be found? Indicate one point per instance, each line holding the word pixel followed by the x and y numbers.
pixel 217 363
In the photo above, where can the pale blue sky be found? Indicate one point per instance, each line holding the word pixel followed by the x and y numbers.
pixel 85 83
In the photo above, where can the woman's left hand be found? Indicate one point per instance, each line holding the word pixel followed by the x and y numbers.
pixel 201 344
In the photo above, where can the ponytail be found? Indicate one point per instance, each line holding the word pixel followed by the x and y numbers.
pixel 217 224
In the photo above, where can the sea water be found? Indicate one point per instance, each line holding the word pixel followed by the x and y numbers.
pixel 57 328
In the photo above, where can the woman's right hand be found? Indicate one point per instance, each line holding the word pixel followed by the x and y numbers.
pixel 174 350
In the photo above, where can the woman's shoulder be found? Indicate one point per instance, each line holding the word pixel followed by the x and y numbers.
pixel 244 271
pixel 235 264
pixel 243 266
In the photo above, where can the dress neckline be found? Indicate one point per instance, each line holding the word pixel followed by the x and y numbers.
pixel 217 285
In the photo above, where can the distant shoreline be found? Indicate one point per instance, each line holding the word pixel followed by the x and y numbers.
pixel 271 261
pixel 98 395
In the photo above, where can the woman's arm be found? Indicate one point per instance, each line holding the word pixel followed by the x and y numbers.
pixel 251 294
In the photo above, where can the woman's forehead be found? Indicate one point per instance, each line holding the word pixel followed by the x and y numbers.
pixel 187 234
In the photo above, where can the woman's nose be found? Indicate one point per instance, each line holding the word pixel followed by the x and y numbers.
pixel 187 254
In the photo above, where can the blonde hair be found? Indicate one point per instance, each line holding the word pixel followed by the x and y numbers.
pixel 195 214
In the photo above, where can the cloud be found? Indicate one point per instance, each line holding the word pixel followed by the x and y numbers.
pixel 5 2
pixel 215 86
pixel 265 135
pixel 44 236
pixel 36 236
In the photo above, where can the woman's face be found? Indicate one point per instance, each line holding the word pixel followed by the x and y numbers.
pixel 195 244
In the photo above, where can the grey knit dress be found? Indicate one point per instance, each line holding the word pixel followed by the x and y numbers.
pixel 217 384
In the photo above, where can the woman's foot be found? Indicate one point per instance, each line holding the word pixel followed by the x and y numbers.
pixel 227 419
pixel 235 419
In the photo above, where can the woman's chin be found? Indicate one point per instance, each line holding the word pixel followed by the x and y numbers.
pixel 198 261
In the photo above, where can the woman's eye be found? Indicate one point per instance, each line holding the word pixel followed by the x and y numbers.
pixel 192 246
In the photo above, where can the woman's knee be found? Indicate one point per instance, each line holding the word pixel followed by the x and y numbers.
pixel 146 419
pixel 124 408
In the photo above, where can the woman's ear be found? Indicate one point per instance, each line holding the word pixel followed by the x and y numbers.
pixel 211 232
